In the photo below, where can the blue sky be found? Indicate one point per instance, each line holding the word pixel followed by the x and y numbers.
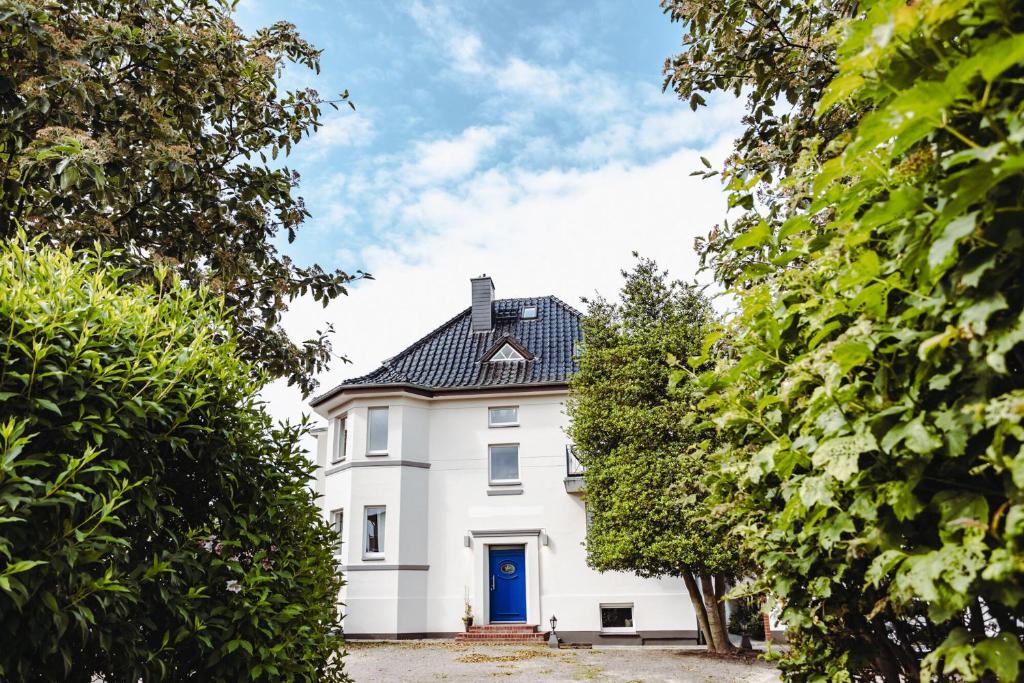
pixel 527 140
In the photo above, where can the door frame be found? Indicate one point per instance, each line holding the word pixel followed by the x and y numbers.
pixel 491 547
pixel 481 542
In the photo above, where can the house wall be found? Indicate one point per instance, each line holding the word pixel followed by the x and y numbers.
pixel 434 482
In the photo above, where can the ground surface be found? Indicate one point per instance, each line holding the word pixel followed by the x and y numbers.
pixel 431 661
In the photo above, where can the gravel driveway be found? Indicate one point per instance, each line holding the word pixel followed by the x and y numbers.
pixel 432 660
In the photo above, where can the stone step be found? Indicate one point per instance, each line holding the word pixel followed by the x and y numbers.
pixel 499 639
pixel 519 628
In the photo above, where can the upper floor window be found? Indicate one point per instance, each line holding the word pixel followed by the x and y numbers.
pixel 503 416
pixel 340 445
pixel 529 313
pixel 337 522
pixel 506 352
pixel 373 540
pixel 503 463
pixel 377 431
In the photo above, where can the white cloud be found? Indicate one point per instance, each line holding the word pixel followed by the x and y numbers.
pixel 449 159
pixel 344 128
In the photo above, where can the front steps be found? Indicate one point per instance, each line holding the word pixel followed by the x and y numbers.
pixel 501 634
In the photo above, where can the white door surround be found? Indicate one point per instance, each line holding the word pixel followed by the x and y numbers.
pixel 482 540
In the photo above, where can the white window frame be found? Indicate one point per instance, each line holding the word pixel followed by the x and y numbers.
pixel 616 605
pixel 339 449
pixel 518 356
pixel 387 427
pixel 536 312
pixel 490 460
pixel 382 533
pixel 496 425
pixel 338 523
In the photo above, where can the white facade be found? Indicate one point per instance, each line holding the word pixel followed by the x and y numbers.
pixel 444 515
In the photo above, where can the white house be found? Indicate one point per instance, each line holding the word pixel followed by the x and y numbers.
pixel 449 477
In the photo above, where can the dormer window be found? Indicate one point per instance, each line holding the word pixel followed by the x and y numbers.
pixel 507 353
pixel 529 313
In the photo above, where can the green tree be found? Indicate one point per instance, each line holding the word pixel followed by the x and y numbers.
pixel 638 438
pixel 873 415
pixel 154 523
pixel 780 55
pixel 153 126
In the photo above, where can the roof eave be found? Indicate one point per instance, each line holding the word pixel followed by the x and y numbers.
pixel 434 391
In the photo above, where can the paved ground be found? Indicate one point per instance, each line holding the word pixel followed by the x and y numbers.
pixel 432 661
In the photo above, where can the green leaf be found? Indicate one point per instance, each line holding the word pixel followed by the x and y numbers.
pixel 944 249
pixel 1002 655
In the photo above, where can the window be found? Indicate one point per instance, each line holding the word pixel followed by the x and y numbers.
pixel 505 416
pixel 504 463
pixel 617 618
pixel 506 352
pixel 337 523
pixel 377 431
pixel 373 543
pixel 340 445
pixel 529 313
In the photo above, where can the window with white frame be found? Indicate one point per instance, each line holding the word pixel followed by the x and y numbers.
pixel 377 431
pixel 373 537
pixel 529 313
pixel 617 618
pixel 338 523
pixel 503 463
pixel 340 446
pixel 508 353
pixel 503 416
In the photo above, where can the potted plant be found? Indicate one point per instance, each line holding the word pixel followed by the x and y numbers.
pixel 746 621
pixel 467 616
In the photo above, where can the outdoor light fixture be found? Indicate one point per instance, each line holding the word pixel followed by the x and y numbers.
pixel 553 639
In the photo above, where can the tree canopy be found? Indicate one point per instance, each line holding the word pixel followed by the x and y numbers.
pixel 638 439
pixel 154 524
pixel 156 127
pixel 872 415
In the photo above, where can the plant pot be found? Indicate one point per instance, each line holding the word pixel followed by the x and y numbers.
pixel 467 621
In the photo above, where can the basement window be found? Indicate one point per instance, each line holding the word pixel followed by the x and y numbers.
pixel 617 618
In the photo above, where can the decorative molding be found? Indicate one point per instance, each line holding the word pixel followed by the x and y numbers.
pixel 492 533
pixel 384 463
pixel 504 492
pixel 385 567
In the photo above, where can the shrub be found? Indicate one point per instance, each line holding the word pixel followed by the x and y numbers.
pixel 154 524
pixel 876 405
pixel 747 619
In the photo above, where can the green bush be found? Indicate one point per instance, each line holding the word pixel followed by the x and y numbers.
pixel 875 408
pixel 154 524
pixel 747 619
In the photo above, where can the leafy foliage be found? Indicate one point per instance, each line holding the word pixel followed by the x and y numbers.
pixel 781 56
pixel 747 619
pixel 153 126
pixel 874 407
pixel 637 436
pixel 154 525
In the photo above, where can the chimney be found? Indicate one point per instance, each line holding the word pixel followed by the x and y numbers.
pixel 483 298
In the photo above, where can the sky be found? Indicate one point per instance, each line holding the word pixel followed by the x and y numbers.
pixel 529 141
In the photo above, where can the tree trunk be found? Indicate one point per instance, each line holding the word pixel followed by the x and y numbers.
pixel 715 621
pixel 698 608
pixel 720 588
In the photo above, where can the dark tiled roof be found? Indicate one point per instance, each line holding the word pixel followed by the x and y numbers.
pixel 450 356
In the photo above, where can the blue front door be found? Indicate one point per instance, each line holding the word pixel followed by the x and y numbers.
pixel 508 584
